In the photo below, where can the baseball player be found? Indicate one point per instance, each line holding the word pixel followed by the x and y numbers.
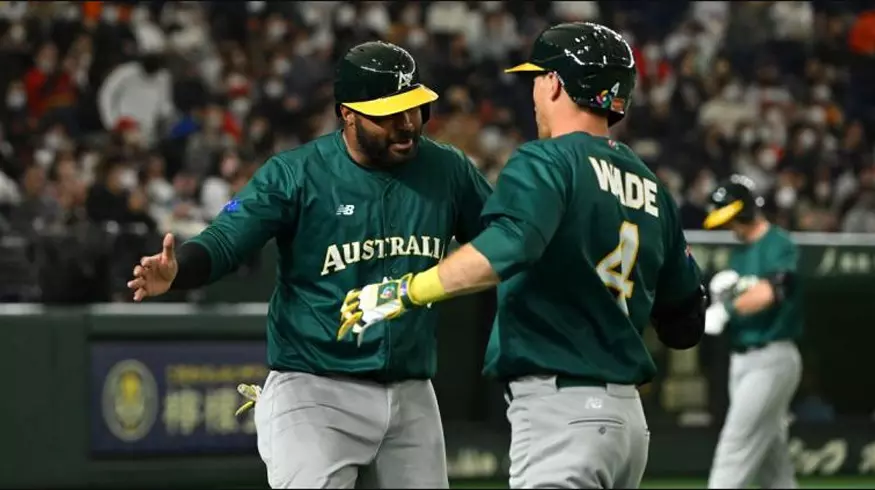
pixel 586 249
pixel 758 299
pixel 369 201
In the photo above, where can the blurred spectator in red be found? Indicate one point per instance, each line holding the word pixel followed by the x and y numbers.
pixel 49 85
pixel 861 38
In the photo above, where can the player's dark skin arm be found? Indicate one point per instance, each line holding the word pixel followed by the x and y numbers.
pixel 259 211
pixel 194 267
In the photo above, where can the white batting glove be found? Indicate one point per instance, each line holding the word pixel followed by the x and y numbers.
pixel 722 282
pixel 716 318
pixel 368 318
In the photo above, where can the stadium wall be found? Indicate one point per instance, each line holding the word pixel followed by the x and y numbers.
pixel 104 395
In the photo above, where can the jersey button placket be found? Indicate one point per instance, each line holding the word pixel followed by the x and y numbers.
pixel 388 270
pixel 390 223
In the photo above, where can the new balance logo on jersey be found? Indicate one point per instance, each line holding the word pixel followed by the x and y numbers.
pixel 345 210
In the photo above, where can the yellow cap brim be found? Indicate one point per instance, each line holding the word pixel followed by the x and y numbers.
pixel 721 216
pixel 394 104
pixel 525 67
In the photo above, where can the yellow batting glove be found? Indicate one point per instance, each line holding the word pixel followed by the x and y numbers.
pixel 251 393
pixel 372 304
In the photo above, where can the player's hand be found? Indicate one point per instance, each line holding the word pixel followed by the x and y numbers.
pixel 251 393
pixel 722 285
pixel 716 318
pixel 373 303
pixel 154 275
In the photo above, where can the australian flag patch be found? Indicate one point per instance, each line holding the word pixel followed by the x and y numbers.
pixel 231 206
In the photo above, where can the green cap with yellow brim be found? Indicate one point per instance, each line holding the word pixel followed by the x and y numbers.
pixel 393 104
pixel 380 79
pixel 722 215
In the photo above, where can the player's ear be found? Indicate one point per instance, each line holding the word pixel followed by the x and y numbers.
pixel 347 115
pixel 555 86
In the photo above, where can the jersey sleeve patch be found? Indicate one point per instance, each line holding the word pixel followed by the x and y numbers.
pixel 231 206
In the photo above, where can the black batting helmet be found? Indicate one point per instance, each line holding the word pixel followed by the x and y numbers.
pixel 380 79
pixel 594 64
pixel 733 199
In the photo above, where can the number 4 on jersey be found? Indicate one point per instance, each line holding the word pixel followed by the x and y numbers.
pixel 623 258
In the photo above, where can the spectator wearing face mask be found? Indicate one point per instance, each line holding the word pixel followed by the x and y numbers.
pixel 217 131
pixel 186 217
pixel 37 209
pixel 140 90
pixel 693 207
pixel 49 86
pixel 216 190
pixel 861 217
pixel 68 187
pixel 15 117
pixel 114 199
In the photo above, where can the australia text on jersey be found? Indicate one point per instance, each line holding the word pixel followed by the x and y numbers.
pixel 338 257
pixel 632 190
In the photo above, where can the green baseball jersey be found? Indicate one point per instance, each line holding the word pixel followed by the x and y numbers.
pixel 600 242
pixel 774 253
pixel 338 226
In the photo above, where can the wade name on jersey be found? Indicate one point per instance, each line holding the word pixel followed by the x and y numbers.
pixel 632 190
pixel 338 257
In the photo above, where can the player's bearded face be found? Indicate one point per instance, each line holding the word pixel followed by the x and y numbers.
pixel 391 140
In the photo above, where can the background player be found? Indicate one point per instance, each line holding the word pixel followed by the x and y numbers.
pixel 758 297
pixel 588 249
pixel 351 207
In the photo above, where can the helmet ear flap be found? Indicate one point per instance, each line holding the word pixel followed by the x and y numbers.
pixel 615 117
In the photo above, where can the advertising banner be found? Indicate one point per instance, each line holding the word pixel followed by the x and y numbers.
pixel 171 397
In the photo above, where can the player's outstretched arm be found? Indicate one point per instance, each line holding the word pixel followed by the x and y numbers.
pixel 465 271
pixel 522 213
pixel 154 274
pixel 265 205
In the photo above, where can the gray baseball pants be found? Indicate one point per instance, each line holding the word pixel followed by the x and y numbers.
pixel 753 442
pixel 333 432
pixel 575 436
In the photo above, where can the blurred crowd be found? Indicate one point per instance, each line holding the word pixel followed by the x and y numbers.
pixel 125 120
